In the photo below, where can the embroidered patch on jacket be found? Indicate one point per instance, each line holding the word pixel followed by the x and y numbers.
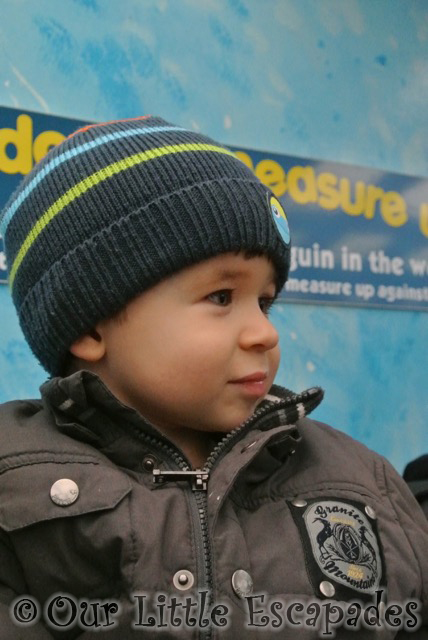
pixel 341 545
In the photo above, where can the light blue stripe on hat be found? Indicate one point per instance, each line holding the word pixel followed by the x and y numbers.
pixel 67 155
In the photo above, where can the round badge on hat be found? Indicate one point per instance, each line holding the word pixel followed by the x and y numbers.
pixel 280 219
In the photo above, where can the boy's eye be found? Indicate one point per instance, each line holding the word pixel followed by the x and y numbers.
pixel 222 297
pixel 266 304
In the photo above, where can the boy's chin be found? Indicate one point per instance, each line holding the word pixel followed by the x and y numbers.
pixel 231 424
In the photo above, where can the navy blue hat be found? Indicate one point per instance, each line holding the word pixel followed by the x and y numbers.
pixel 114 209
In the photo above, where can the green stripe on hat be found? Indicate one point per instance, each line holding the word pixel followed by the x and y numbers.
pixel 94 179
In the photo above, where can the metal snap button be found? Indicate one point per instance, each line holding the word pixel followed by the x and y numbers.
pixel 370 512
pixel 327 589
pixel 299 503
pixel 183 580
pixel 149 463
pixel 242 583
pixel 64 492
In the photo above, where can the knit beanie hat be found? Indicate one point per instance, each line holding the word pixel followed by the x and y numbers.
pixel 115 208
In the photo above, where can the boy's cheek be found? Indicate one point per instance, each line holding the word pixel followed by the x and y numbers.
pixel 275 356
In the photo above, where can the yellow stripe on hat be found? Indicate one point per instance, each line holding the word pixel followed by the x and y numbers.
pixel 91 181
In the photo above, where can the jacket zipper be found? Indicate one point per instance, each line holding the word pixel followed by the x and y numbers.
pixel 198 508
pixel 199 483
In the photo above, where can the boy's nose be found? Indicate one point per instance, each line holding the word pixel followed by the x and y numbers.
pixel 258 332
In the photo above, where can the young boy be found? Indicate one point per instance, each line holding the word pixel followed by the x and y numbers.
pixel 163 485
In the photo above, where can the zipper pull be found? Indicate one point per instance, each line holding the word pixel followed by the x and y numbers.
pixel 197 478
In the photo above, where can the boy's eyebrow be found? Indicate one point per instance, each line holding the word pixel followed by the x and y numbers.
pixel 222 273
pixel 227 274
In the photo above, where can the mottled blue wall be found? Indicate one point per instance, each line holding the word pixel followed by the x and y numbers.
pixel 342 80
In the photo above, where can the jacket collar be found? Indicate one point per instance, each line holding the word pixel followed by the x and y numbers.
pixel 84 405
pixel 85 409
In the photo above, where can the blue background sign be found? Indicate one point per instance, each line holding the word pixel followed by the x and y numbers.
pixel 359 236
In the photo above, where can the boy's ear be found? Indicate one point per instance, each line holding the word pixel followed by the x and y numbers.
pixel 89 347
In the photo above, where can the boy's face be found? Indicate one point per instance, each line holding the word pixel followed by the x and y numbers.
pixel 196 351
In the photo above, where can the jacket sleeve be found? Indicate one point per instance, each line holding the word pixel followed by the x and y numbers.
pixel 415 526
pixel 13 591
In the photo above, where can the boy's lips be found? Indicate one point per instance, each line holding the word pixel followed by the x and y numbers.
pixel 258 376
pixel 254 384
